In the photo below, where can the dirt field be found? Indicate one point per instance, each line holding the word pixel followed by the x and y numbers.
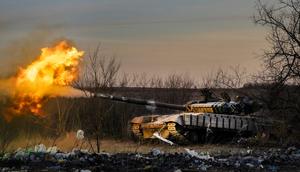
pixel 120 155
pixel 69 141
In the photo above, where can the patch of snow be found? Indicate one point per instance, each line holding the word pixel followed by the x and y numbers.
pixel 156 152
pixel 52 150
pixel 193 153
pixel 40 148
pixel 80 134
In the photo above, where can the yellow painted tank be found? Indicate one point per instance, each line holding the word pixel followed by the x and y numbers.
pixel 198 121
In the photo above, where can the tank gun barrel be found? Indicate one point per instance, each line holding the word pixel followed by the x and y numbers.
pixel 142 102
pixel 220 107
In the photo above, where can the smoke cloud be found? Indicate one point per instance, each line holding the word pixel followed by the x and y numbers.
pixel 20 52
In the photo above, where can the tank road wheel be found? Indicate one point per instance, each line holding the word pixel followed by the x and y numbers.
pixel 133 137
pixel 193 136
pixel 196 136
pixel 135 132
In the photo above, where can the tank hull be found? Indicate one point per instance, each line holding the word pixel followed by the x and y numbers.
pixel 194 126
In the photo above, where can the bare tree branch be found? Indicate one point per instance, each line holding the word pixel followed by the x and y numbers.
pixel 283 21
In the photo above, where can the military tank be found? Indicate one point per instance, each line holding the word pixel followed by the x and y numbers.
pixel 199 121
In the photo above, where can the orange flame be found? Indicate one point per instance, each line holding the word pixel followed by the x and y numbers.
pixel 56 67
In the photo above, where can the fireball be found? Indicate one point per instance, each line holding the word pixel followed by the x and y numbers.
pixel 56 67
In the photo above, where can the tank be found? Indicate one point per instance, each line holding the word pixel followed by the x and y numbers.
pixel 197 121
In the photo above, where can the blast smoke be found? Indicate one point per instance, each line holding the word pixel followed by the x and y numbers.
pixel 23 50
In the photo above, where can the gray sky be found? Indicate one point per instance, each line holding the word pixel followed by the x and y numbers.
pixel 152 36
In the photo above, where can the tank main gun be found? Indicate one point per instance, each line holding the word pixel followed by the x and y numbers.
pixel 219 107
pixel 142 102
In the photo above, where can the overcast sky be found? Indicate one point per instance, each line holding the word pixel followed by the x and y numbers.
pixel 152 36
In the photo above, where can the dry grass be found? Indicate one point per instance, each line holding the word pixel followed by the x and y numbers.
pixel 69 141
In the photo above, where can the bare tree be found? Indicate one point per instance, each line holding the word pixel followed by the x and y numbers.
pixel 100 74
pixel 173 81
pixel 188 82
pixel 234 77
pixel 135 80
pixel 280 78
pixel 143 80
pixel 100 71
pixel 207 81
pixel 156 82
pixel 282 19
pixel 125 80
pixel 179 81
